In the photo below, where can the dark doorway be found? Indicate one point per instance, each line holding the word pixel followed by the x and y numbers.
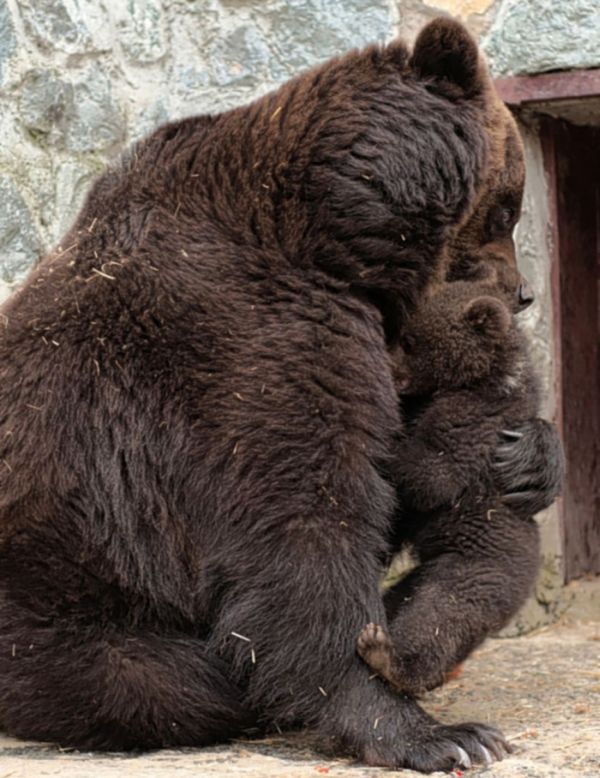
pixel 572 158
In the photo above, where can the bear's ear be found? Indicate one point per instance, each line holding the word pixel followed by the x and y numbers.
pixel 445 50
pixel 489 316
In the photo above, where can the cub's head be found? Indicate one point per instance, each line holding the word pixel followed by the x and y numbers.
pixel 482 246
pixel 460 335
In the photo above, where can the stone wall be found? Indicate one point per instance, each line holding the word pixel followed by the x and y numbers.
pixel 81 79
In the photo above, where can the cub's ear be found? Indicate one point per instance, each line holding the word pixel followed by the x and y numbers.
pixel 488 316
pixel 444 50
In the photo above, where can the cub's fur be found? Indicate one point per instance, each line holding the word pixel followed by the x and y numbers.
pixel 464 368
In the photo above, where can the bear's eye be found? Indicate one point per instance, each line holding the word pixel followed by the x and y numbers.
pixel 501 221
pixel 507 217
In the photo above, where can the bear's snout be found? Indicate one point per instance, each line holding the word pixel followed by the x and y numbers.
pixel 525 294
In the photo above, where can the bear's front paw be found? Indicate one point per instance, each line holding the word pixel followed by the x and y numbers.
pixel 443 748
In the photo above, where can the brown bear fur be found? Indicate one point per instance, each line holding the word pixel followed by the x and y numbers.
pixel 196 404
pixel 464 368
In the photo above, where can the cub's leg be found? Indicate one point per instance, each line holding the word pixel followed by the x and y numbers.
pixel 440 459
pixel 376 648
pixel 477 568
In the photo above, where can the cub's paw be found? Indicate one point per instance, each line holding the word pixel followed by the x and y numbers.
pixel 529 467
pixel 375 646
pixel 407 672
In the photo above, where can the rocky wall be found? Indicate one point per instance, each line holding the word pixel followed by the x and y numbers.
pixel 81 79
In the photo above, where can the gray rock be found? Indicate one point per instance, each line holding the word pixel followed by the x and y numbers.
pixel 98 122
pixel 304 32
pixel 19 240
pixel 5 291
pixel 243 55
pixel 52 25
pixel 541 35
pixel 73 179
pixel 149 119
pixel 8 40
pixel 45 105
pixel 140 26
pixel 204 56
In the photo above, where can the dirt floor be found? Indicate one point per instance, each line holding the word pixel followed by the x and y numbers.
pixel 542 690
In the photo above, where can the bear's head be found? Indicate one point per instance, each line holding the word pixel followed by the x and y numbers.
pixel 460 335
pixel 387 165
pixel 482 247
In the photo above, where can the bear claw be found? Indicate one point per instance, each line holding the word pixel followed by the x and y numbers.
pixel 458 746
pixel 373 636
pixel 487 757
pixel 464 760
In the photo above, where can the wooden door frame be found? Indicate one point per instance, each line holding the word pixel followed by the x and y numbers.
pixel 541 94
pixel 520 91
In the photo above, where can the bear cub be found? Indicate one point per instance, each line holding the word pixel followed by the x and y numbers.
pixel 464 373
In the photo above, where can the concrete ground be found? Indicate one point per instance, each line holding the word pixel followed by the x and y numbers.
pixel 542 690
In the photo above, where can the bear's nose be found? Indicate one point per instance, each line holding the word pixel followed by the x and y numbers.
pixel 525 294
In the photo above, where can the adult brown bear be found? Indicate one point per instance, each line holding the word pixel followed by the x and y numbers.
pixel 196 398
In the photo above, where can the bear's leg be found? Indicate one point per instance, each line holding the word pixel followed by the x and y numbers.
pixel 78 684
pixel 293 641
pixel 476 571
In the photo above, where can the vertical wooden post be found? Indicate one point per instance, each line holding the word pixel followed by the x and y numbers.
pixel 572 160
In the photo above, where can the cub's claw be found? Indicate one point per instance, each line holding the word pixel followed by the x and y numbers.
pixel 528 467
pixel 518 497
pixel 512 434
